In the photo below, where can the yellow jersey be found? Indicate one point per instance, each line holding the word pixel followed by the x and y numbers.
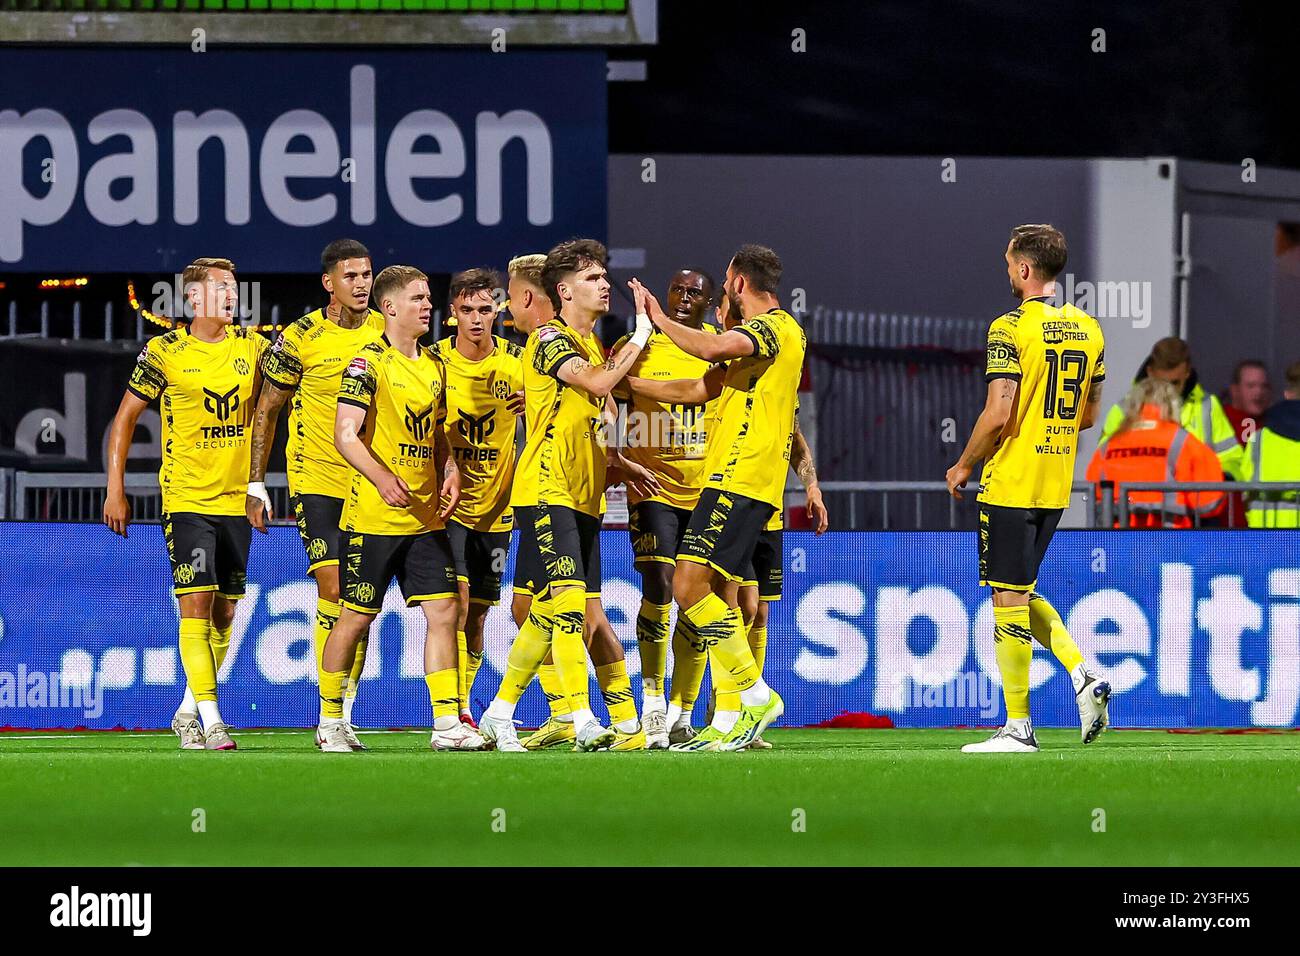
pixel 309 357
pixel 405 403
pixel 563 461
pixel 668 440
pixel 209 395
pixel 1056 355
pixel 750 451
pixel 481 430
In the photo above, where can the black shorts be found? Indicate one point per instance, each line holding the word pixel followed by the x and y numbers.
pixel 421 563
pixel 557 545
pixel 723 532
pixel 318 525
pixel 480 560
pixel 208 552
pixel 656 530
pixel 1012 544
pixel 765 566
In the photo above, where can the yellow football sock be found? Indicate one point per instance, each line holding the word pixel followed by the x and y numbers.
pixel 527 652
pixel 196 657
pixel 567 648
pixel 728 692
pixel 758 645
pixel 688 665
pixel 553 690
pixel 442 693
pixel 473 661
pixel 331 694
pixel 1013 643
pixel 1050 630
pixel 721 629
pixel 219 639
pixel 616 688
pixel 358 665
pixel 327 615
pixel 462 653
pixel 652 638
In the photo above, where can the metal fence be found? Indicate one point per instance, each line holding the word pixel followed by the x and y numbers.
pixel 79 496
pixel 853 505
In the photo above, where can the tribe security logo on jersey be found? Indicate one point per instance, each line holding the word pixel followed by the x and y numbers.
pixel 223 406
pixel 417 423
pixel 476 430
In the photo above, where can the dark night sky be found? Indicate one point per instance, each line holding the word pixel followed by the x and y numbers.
pixel 1203 80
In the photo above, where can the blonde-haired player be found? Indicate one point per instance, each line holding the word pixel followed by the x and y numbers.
pixel 207 373
pixel 388 427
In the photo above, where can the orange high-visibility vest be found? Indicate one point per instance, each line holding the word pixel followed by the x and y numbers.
pixel 1154 450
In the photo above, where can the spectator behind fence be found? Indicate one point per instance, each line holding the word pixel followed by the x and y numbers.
pixel 1274 455
pixel 1249 396
pixel 1202 414
pixel 1148 444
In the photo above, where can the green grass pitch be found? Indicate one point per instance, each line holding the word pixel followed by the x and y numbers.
pixel 889 797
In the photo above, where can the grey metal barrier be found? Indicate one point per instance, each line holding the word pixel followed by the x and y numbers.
pixel 79 496
pixel 902 505
pixel 1267 503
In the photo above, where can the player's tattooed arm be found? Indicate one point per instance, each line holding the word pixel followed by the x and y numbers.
pixel 801 460
pixel 271 398
pixel 999 402
pixel 599 381
pixel 449 494
pixel 1091 410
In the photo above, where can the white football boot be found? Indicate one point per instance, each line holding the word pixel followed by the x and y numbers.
pixel 656 729
pixel 459 737
pixel 500 734
pixel 332 737
pixel 1008 740
pixel 592 736
pixel 1092 694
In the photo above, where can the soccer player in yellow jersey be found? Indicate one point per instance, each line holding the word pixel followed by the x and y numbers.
pixel 761 583
pixel 558 491
pixel 207 374
pixel 389 428
pixel 668 439
pixel 1045 369
pixel 484 394
pixel 304 367
pixel 754 428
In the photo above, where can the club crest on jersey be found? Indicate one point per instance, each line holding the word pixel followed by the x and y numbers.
pixel 357 367
pixel 417 423
pixel 500 389
pixel 241 366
